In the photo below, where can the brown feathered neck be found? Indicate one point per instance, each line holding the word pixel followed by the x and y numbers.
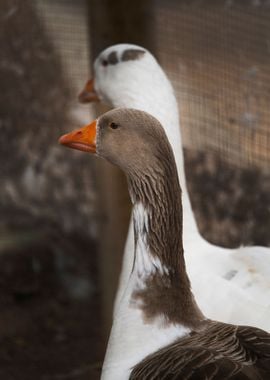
pixel 156 187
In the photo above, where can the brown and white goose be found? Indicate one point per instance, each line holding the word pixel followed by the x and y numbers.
pixel 129 76
pixel 160 331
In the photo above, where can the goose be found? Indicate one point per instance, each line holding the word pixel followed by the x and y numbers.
pixel 161 332
pixel 230 285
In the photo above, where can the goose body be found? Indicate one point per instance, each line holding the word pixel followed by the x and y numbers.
pixel 231 285
pixel 160 332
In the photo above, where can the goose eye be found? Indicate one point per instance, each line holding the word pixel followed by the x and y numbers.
pixel 104 62
pixel 113 126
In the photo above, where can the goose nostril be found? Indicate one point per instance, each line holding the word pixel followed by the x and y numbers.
pixel 79 133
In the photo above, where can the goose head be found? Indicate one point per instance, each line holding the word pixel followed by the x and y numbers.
pixel 128 138
pixel 127 75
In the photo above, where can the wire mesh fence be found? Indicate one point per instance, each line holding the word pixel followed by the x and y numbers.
pixel 217 55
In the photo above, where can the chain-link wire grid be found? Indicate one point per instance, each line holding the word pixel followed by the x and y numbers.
pixel 217 54
pixel 66 23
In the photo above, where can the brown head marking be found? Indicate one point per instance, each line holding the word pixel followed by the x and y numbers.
pixel 132 54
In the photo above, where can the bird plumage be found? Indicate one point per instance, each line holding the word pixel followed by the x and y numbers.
pixel 218 351
pixel 172 339
pixel 237 278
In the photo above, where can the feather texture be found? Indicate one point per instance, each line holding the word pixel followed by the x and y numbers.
pixel 220 351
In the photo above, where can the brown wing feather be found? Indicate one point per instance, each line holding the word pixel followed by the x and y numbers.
pixel 218 352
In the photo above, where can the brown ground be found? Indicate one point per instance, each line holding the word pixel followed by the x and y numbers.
pixel 50 325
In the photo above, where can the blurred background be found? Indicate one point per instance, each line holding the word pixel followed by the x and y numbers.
pixel 63 213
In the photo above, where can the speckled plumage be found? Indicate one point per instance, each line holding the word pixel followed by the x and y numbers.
pixel 217 352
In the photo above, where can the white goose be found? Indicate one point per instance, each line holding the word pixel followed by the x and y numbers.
pixel 231 285
pixel 162 334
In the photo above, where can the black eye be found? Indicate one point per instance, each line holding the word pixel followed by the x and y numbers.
pixel 113 125
pixel 104 62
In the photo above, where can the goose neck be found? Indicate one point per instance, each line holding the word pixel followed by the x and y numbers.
pixel 159 274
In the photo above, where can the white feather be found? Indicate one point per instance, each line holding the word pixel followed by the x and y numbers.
pixel 132 338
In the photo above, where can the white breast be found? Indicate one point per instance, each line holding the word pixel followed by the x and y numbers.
pixel 132 338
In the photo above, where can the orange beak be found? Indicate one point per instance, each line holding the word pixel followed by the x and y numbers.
pixel 88 94
pixel 82 139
